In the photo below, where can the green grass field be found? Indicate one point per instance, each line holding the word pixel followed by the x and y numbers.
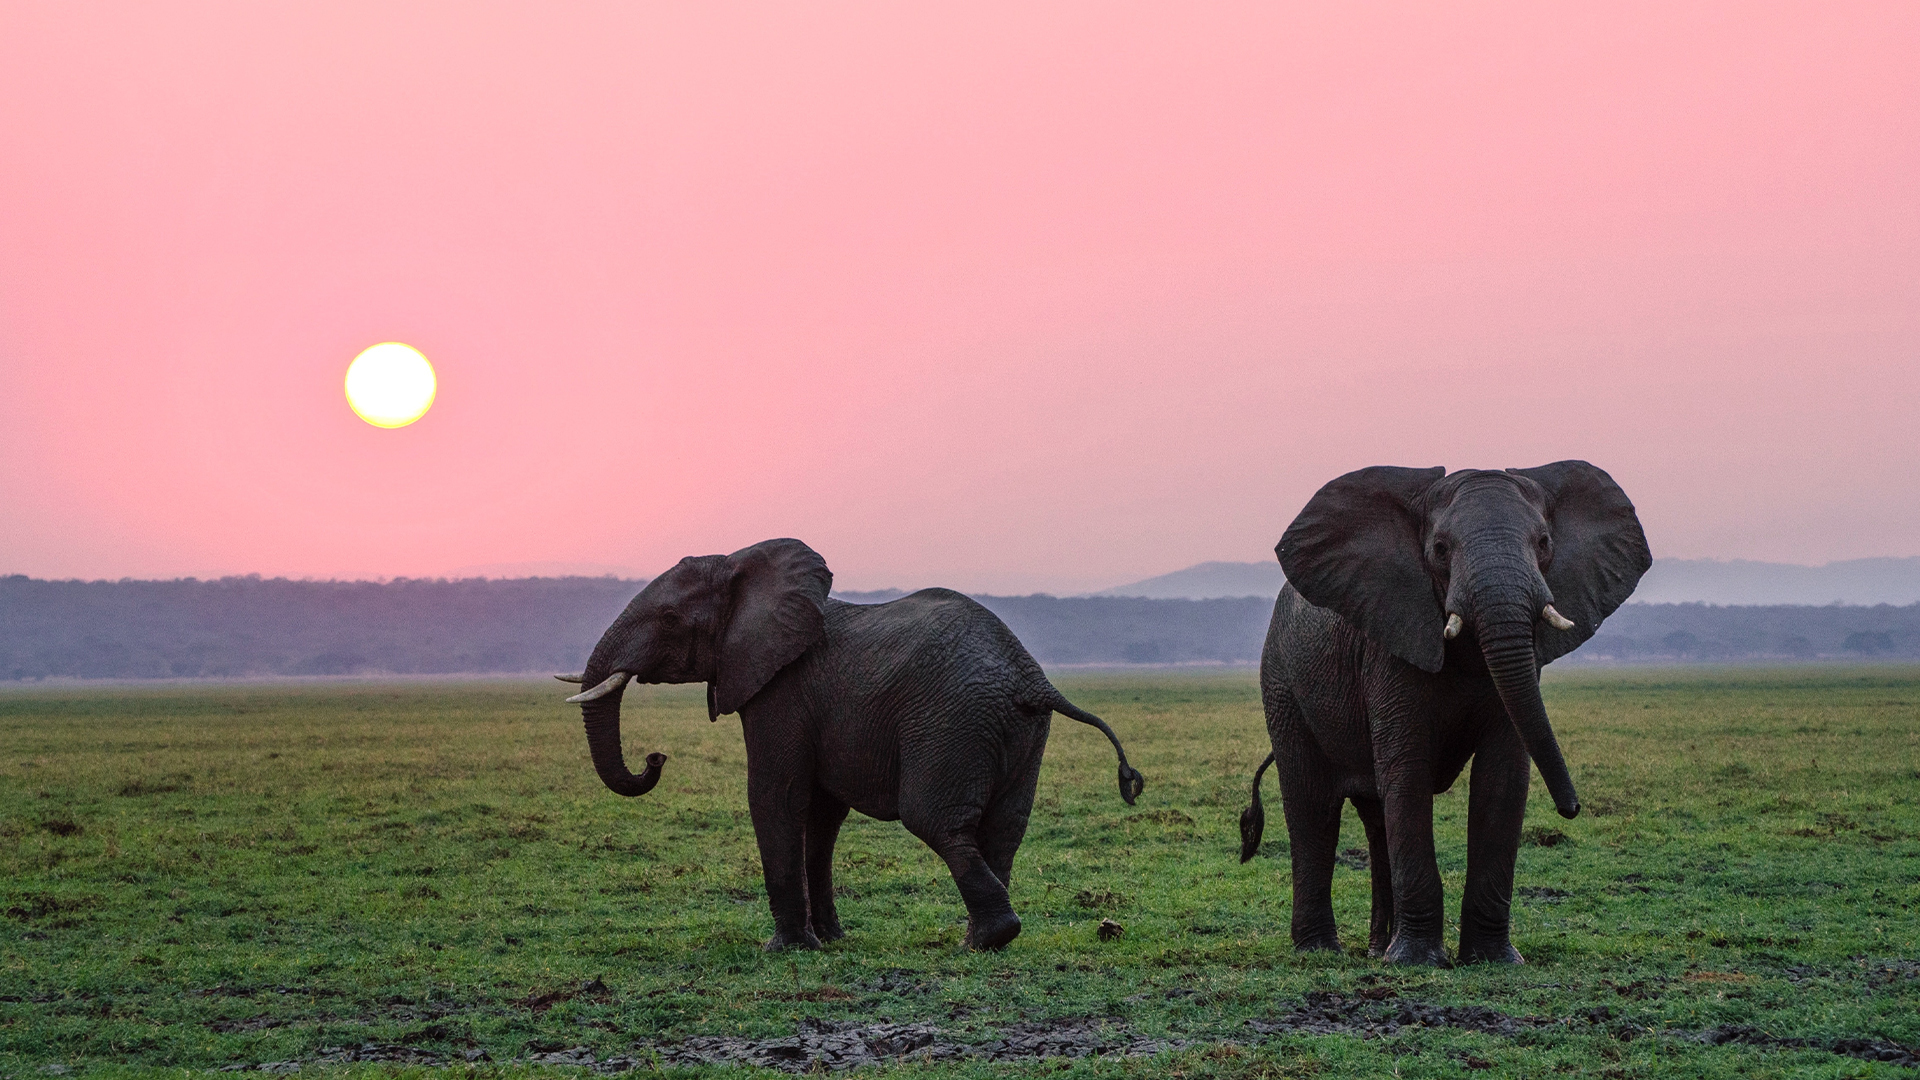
pixel 202 876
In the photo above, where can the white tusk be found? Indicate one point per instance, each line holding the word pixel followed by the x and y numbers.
pixel 613 682
pixel 1453 626
pixel 1555 619
pixel 571 678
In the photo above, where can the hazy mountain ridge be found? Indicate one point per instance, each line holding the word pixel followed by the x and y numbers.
pixel 267 627
pixel 245 626
pixel 1726 582
pixel 1207 581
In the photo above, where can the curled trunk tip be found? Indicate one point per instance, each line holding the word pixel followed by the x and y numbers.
pixel 602 719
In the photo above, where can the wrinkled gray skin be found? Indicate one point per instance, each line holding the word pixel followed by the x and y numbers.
pixel 1366 699
pixel 925 710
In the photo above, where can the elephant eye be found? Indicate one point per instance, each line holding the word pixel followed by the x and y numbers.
pixel 669 617
pixel 1439 551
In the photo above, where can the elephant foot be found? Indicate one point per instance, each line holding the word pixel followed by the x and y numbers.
pixel 1404 950
pixel 783 940
pixel 1321 943
pixel 828 931
pixel 991 932
pixel 1490 952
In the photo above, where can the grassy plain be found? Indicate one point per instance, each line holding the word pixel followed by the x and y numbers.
pixel 199 876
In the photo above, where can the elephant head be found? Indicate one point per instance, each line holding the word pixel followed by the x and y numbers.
pixel 1515 568
pixel 730 621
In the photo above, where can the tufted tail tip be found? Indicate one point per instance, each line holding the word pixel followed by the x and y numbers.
pixel 1253 823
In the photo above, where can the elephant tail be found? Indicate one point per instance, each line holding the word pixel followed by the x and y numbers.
pixel 1131 782
pixel 1253 820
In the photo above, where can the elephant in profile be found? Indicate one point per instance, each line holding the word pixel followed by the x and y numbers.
pixel 925 710
pixel 1419 608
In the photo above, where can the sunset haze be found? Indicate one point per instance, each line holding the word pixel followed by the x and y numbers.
pixel 1001 297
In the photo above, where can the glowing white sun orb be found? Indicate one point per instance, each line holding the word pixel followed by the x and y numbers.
pixel 390 385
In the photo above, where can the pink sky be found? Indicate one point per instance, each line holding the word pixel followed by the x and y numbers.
pixel 1007 297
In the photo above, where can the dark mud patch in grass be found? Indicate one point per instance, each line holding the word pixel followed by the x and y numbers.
pixel 818 1045
pixel 375 1053
pixel 594 989
pixel 836 1046
pixel 1381 1013
pixel 1881 1050
pixel 257 1023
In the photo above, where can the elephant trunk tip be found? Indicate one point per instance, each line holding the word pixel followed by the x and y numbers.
pixel 634 786
pixel 1131 783
pixel 1569 809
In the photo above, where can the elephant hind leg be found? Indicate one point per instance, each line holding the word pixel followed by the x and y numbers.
pixel 1313 835
pixel 952 833
pixel 1004 823
pixel 1379 859
pixel 824 817
pixel 1312 806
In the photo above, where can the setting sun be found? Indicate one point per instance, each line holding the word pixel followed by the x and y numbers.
pixel 390 385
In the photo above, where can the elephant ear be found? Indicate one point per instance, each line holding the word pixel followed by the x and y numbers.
pixel 1357 550
pixel 1599 551
pixel 777 591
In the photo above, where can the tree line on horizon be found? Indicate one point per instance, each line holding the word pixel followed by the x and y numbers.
pixel 253 626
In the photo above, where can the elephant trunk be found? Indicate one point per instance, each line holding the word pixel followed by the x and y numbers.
pixel 1506 641
pixel 602 716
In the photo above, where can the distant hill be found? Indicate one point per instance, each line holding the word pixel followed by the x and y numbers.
pixel 246 626
pixel 1738 581
pixel 1671 581
pixel 1208 581
pixel 1669 633
pixel 255 627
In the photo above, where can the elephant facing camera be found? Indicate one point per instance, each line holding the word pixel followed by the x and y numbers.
pixel 924 710
pixel 1419 608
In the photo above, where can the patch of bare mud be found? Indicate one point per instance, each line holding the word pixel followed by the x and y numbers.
pixel 818 1045
pixel 835 1046
pixel 1881 1050
pixel 1375 1013
pixel 1381 1012
pixel 384 1053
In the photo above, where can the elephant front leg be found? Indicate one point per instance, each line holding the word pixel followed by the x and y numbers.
pixel 779 826
pixel 1380 861
pixel 823 830
pixel 1418 923
pixel 1496 808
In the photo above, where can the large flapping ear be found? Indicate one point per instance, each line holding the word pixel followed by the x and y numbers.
pixel 777 592
pixel 1599 551
pixel 1356 550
